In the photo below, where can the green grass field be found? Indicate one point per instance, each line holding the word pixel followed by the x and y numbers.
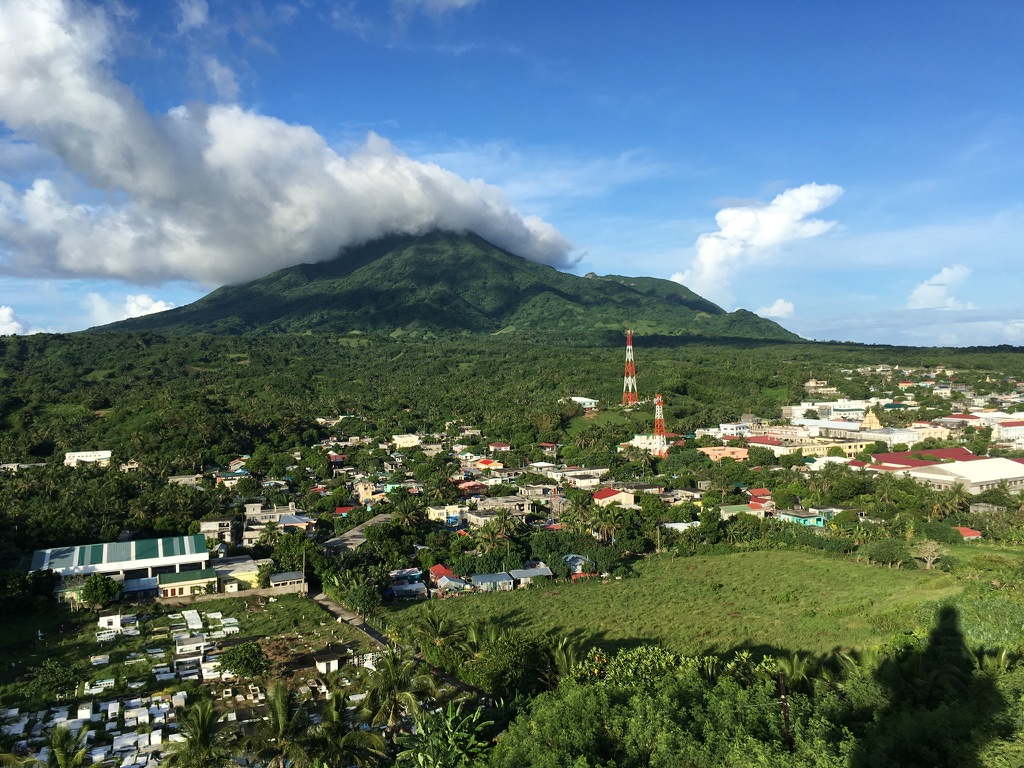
pixel 783 600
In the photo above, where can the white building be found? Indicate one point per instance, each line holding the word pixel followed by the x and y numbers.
pixel 74 458
pixel 975 476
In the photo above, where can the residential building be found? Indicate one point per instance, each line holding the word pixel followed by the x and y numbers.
pixel 100 458
pixel 187 583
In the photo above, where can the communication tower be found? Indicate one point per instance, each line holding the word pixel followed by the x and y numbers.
pixel 659 446
pixel 629 394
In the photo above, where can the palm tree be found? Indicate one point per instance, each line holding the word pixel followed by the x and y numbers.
pixel 395 688
pixel 487 537
pixel 335 742
pixel 66 749
pixel 206 743
pixel 280 739
pixel 434 628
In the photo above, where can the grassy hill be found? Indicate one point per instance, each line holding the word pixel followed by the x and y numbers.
pixel 756 600
pixel 444 283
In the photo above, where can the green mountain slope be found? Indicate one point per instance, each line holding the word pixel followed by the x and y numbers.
pixel 446 283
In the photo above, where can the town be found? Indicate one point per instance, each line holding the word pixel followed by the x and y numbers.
pixel 347 536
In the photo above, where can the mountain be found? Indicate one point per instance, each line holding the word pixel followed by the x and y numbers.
pixel 444 283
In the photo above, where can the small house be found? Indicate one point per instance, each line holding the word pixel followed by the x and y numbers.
pixel 187 583
pixel 492 582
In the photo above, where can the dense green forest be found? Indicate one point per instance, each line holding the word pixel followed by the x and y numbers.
pixel 446 283
pixel 181 402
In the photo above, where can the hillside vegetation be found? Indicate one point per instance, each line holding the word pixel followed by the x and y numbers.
pixel 447 283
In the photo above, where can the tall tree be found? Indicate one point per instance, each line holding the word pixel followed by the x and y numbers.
pixel 65 748
pixel 395 689
pixel 280 740
pixel 207 744
pixel 335 741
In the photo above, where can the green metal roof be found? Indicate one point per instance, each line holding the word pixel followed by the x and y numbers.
pixel 207 574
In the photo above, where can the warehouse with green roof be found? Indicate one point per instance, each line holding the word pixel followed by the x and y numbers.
pixel 144 558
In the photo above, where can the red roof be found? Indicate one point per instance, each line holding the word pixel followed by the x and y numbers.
pixel 759 492
pixel 1011 423
pixel 547 445
pixel 437 571
pixel 962 416
pixel 915 458
pixel 968 533
pixel 606 493
pixel 764 440
pixel 343 510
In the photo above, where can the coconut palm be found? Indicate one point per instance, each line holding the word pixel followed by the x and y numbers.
pixel 66 749
pixel 434 628
pixel 335 742
pixel 280 739
pixel 207 743
pixel 395 689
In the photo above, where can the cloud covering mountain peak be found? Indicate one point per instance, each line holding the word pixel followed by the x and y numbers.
pixel 211 193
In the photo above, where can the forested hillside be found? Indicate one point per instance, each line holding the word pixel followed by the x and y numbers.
pixel 445 283
pixel 177 403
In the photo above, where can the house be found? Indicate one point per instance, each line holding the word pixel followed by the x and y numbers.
pixel 191 481
pixel 537 490
pixel 438 571
pixel 235 574
pixel 549 449
pixel 288 579
pixel 402 442
pixel 222 528
pixel 499 447
pixel 485 465
pixel 100 458
pixel 236 464
pixel 524 576
pixel 451 585
pixel 607 496
pixel 586 403
pixel 452 515
pixel 969 534
pixel 719 452
pixel 492 582
pixel 809 517
pixel 187 583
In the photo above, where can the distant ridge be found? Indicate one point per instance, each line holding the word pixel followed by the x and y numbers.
pixel 450 283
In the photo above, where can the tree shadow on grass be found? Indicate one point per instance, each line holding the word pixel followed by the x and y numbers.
pixel 941 712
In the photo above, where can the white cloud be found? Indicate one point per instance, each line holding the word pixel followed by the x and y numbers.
pixel 746 232
pixel 779 308
pixel 221 77
pixel 211 193
pixel 9 323
pixel 433 7
pixel 193 14
pixel 934 293
pixel 103 311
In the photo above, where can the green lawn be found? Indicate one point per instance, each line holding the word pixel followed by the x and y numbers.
pixel 761 600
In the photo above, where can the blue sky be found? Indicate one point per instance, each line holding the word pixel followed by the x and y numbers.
pixel 852 170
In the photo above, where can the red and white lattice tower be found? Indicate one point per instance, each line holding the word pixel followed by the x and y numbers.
pixel 659 446
pixel 629 395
